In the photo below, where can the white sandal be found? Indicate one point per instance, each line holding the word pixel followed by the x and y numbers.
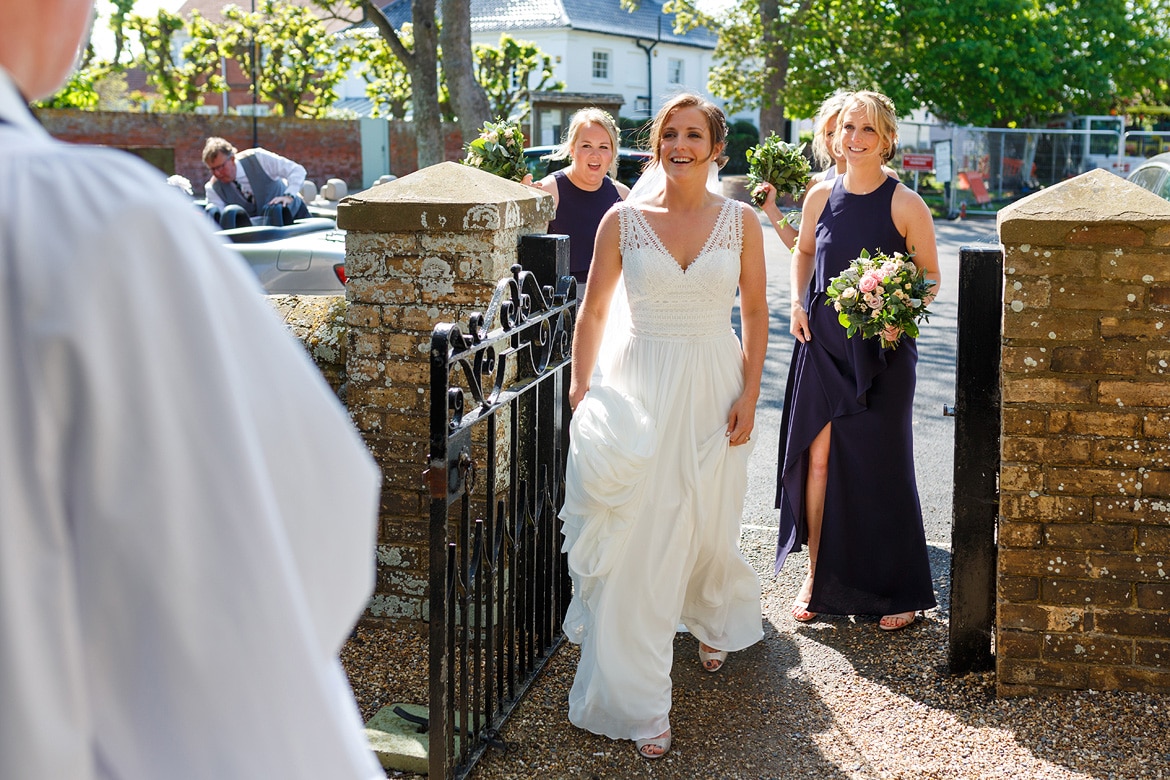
pixel 662 743
pixel 719 656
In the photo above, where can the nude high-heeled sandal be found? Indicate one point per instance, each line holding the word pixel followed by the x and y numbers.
pixel 662 743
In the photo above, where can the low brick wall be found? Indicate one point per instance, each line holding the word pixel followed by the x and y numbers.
pixel 327 148
pixel 318 321
pixel 1084 533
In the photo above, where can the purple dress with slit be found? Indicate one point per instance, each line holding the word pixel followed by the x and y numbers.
pixel 872 557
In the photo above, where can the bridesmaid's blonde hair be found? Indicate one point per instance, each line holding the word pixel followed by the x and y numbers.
pixel 880 110
pixel 825 120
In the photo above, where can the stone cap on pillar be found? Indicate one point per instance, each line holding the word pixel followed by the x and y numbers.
pixel 445 197
pixel 1093 198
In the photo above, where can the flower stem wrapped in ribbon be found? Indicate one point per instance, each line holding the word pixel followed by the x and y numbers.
pixel 781 164
pixel 499 149
pixel 879 295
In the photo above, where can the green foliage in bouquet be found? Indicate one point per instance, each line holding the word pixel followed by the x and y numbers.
pixel 880 295
pixel 781 164
pixel 499 149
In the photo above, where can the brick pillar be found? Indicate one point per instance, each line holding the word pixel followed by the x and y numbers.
pixel 420 250
pixel 1084 532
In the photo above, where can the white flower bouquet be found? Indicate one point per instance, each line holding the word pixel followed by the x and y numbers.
pixel 879 295
pixel 499 149
pixel 781 164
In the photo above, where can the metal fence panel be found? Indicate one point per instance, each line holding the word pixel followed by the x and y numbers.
pixel 499 586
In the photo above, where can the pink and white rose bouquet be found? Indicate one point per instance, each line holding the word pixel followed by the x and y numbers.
pixel 883 296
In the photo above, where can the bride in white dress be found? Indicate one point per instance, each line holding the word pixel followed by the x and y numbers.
pixel 659 446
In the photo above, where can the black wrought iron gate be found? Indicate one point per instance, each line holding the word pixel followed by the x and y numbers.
pixel 977 447
pixel 499 435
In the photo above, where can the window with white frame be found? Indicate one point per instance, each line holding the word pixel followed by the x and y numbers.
pixel 675 73
pixel 600 65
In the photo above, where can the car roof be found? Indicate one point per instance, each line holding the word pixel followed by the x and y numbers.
pixel 1158 161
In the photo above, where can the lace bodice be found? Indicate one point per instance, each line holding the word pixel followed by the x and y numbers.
pixel 667 301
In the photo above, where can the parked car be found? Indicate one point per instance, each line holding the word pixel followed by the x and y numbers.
pixel 304 258
pixel 630 163
pixel 1154 175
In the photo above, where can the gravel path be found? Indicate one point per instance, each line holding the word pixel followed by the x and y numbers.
pixel 832 699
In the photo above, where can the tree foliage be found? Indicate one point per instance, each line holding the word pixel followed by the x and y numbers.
pixel 982 62
pixel 297 63
pixel 78 92
pixel 118 25
pixel 180 82
pixel 387 77
pixel 509 71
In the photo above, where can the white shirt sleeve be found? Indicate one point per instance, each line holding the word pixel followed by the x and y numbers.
pixel 282 168
pixel 211 195
pixel 187 514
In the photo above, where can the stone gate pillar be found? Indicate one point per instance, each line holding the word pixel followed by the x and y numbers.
pixel 420 250
pixel 1084 530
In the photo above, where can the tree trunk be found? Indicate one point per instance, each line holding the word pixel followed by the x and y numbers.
pixel 775 70
pixel 468 99
pixel 423 64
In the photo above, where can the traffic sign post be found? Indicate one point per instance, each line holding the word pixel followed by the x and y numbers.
pixel 917 162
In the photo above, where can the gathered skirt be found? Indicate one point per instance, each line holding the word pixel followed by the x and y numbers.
pixel 651 521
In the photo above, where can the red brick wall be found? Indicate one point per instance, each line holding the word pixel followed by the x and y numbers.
pixel 404 150
pixel 327 148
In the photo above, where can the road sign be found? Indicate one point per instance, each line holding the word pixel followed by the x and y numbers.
pixel 917 162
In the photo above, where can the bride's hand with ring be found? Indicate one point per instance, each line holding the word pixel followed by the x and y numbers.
pixel 741 421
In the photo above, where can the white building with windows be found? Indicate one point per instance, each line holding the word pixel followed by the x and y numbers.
pixel 596 48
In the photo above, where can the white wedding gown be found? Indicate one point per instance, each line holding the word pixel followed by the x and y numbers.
pixel 654 491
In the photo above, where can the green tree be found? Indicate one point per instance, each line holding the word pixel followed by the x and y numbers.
pixel 421 58
pixel 118 24
pixel 506 72
pixel 181 84
pixel 298 65
pixel 468 98
pixel 386 76
pixel 78 92
pixel 983 62
pixel 752 60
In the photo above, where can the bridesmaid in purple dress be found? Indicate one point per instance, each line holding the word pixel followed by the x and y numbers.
pixel 585 190
pixel 846 484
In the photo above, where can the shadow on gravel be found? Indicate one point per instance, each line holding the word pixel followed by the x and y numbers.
pixel 750 721
pixel 1106 735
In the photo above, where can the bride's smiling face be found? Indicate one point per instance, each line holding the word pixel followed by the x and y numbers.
pixel 685 141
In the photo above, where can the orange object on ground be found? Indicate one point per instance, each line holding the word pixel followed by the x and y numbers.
pixel 970 180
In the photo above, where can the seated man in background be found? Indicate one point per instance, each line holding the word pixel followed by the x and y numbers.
pixel 256 180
